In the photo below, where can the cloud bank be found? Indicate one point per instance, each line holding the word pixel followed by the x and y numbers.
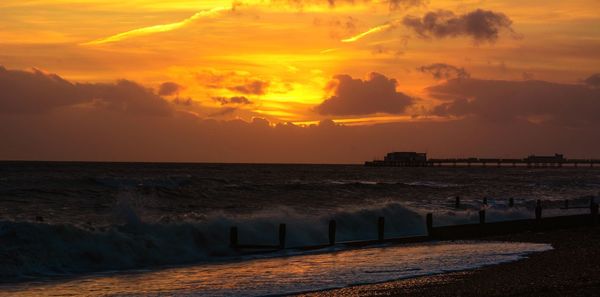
pixel 36 92
pixel 45 117
pixel 593 80
pixel 169 89
pixel 376 94
pixel 505 101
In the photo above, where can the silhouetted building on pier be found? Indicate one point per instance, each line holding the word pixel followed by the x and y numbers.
pixel 401 159
pixel 406 157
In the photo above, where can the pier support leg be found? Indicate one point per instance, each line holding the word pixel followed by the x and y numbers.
pixel 485 202
pixel 233 237
pixel 332 227
pixel 281 236
pixel 380 228
pixel 594 213
pixel 482 216
pixel 511 202
pixel 566 204
pixel 538 210
pixel 457 202
pixel 429 223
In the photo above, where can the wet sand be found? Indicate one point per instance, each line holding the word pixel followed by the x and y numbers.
pixel 571 269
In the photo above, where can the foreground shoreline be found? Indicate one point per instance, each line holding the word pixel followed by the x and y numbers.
pixel 572 268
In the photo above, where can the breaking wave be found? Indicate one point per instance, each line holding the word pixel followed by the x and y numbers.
pixel 32 249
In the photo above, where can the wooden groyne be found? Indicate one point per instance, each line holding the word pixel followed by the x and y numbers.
pixel 451 232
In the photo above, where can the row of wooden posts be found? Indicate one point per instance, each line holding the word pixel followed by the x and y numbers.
pixel 234 240
pixel 511 203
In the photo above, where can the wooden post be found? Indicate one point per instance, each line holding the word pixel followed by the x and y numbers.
pixel 281 236
pixel 566 204
pixel 380 228
pixel 511 202
pixel 233 237
pixel 485 201
pixel 332 227
pixel 538 210
pixel 594 213
pixel 457 202
pixel 482 216
pixel 429 222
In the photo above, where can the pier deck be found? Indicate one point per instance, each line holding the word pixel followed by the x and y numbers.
pixel 398 160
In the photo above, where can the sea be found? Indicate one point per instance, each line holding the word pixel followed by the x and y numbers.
pixel 162 229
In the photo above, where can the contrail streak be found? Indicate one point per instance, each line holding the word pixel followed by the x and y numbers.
pixel 368 32
pixel 157 28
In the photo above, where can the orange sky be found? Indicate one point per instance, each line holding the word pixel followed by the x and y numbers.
pixel 281 60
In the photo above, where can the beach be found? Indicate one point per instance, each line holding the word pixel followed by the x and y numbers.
pixel 570 269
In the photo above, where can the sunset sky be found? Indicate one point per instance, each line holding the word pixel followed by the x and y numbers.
pixel 297 81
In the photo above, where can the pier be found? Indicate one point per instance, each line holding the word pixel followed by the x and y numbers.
pixel 413 159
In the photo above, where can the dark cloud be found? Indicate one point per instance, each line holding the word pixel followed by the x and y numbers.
pixel 481 25
pixel 233 100
pixel 223 111
pixel 127 96
pixel 255 87
pixel 593 81
pixel 183 101
pixel 261 122
pixel 444 71
pixel 352 96
pixel 169 89
pixel 527 75
pixel 537 101
pixel 36 91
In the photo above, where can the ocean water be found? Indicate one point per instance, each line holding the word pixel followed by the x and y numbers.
pixel 68 220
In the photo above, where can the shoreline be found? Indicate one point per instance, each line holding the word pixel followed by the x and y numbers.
pixel 572 268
